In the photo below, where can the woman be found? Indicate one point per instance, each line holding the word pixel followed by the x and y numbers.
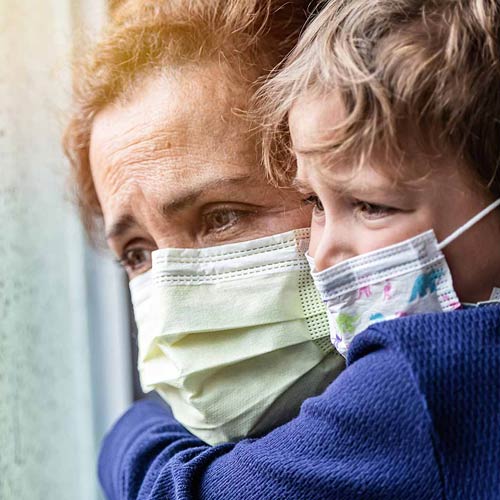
pixel 232 333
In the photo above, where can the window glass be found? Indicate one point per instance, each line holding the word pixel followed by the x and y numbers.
pixel 64 352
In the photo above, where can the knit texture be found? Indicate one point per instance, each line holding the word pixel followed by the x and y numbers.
pixel 416 415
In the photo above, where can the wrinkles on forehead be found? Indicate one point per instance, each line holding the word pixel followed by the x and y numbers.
pixel 179 122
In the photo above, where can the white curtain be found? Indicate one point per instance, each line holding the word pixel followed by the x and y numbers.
pixel 64 354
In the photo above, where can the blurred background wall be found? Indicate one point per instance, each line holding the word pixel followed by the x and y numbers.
pixel 65 370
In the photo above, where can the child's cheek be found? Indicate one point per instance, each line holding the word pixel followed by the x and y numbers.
pixel 317 231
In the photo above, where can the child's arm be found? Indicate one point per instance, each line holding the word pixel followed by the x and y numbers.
pixel 367 436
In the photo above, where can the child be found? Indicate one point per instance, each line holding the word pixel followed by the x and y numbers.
pixel 395 136
pixel 393 110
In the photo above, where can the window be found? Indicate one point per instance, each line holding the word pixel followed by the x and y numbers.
pixel 65 370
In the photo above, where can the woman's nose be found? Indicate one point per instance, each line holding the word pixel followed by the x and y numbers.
pixel 330 247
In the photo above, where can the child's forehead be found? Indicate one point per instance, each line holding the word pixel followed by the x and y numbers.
pixel 313 119
pixel 346 178
pixel 318 123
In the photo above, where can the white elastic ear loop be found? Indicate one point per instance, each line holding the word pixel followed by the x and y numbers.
pixel 310 259
pixel 461 230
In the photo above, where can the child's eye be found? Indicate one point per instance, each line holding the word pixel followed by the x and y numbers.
pixel 372 211
pixel 315 202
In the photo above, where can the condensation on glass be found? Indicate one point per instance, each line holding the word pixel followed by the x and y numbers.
pixel 59 304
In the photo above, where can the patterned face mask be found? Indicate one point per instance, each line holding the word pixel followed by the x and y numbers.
pixel 233 337
pixel 405 278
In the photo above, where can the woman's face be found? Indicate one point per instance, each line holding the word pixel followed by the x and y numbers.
pixel 175 166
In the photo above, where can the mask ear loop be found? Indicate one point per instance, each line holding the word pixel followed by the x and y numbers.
pixel 461 230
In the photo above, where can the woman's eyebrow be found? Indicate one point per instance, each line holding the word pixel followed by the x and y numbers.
pixel 120 226
pixel 189 196
pixel 178 203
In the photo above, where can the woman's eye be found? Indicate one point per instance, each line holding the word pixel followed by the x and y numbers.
pixel 315 202
pixel 136 261
pixel 221 220
pixel 372 211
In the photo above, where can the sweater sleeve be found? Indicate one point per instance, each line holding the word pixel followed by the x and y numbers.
pixel 369 435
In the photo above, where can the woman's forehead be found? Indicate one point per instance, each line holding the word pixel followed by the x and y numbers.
pixel 165 104
pixel 170 137
pixel 173 124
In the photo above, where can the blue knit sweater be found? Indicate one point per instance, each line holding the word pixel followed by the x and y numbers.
pixel 416 415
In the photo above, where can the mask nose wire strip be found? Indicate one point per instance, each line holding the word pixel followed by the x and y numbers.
pixel 483 213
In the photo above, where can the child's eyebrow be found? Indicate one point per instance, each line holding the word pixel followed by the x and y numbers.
pixel 349 187
pixel 300 185
pixel 309 150
pixel 340 186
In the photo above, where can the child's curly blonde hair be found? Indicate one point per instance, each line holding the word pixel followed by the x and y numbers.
pixel 427 70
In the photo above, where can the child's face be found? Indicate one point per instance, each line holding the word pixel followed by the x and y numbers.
pixel 358 210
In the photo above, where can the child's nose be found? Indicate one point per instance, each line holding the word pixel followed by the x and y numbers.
pixel 332 247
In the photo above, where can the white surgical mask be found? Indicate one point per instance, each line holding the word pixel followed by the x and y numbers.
pixel 233 337
pixel 405 278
